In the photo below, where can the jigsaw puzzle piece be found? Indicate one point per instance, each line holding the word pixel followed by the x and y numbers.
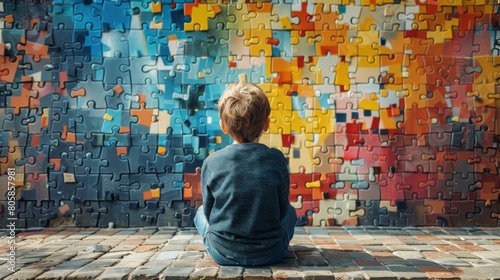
pixel 110 188
pixel 171 188
pixel 344 206
pixel 87 188
pixel 35 188
pixel 325 215
pixel 111 70
pixel 33 216
pixel 435 213
pixel 485 215
pixel 185 213
pixel 200 15
pixel 147 216
pixel 117 163
pixel 461 212
pixel 392 216
pixel 372 211
pixel 87 213
pixel 169 217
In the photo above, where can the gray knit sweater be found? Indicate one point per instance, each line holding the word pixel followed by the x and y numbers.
pixel 245 195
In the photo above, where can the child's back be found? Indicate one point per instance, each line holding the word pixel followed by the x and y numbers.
pixel 246 217
pixel 246 199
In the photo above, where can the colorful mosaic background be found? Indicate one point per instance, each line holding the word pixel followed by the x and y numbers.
pixel 387 111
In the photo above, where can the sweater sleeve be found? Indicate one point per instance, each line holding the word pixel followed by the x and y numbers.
pixel 284 191
pixel 208 198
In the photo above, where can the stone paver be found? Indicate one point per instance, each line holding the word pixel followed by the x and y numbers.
pixel 92 270
pixel 230 272
pixel 315 253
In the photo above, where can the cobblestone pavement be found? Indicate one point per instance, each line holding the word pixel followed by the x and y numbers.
pixel 315 253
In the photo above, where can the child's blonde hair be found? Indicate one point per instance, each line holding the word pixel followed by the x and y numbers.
pixel 244 109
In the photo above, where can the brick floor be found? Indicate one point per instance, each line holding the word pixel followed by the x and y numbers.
pixel 314 253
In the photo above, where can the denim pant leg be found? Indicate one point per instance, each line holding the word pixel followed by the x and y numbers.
pixel 288 224
pixel 201 224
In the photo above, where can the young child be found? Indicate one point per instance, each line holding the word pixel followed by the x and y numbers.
pixel 246 218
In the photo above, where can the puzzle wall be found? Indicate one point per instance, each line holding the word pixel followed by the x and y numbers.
pixel 387 110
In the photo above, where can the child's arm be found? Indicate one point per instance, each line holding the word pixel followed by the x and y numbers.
pixel 285 190
pixel 208 199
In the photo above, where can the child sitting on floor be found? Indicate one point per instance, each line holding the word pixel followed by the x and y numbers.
pixel 246 218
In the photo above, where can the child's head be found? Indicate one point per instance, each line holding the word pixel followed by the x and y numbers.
pixel 244 111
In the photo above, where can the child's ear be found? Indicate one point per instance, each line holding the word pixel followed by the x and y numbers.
pixel 266 125
pixel 223 127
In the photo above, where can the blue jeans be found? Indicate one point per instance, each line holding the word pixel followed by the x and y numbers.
pixel 288 224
